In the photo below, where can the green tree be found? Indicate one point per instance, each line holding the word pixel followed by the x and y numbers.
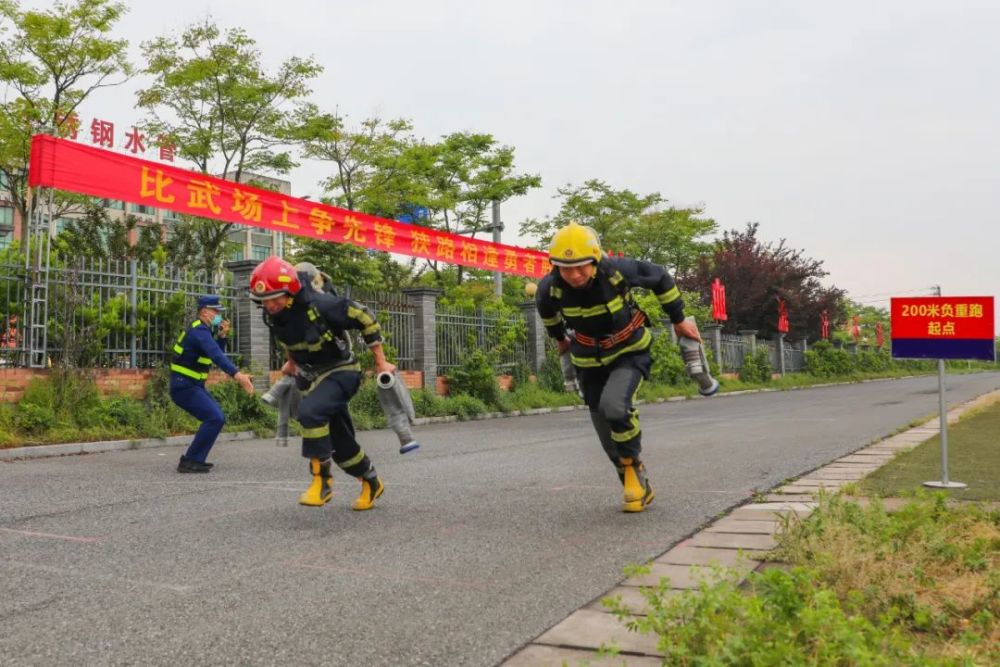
pixel 640 226
pixel 50 62
pixel 96 234
pixel 212 99
pixel 868 317
pixel 370 162
pixel 381 169
pixel 463 175
pixel 369 175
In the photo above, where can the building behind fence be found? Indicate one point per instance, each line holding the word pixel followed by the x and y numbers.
pixel 123 314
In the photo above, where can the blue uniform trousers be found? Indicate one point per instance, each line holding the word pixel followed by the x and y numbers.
pixel 192 397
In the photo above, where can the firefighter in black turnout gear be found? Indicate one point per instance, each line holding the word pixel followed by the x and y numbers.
pixel 586 305
pixel 311 326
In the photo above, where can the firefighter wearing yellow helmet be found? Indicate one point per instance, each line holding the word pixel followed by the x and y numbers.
pixel 587 306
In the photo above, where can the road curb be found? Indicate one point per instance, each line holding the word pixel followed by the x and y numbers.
pixel 745 530
pixel 71 448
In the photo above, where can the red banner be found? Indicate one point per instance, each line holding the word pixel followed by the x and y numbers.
pixel 67 165
pixel 942 317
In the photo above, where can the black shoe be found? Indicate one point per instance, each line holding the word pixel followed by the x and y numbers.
pixel 187 465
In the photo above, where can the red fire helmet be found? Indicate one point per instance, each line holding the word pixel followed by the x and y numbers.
pixel 273 277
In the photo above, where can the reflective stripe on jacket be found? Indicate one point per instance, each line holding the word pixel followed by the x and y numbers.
pixel 196 350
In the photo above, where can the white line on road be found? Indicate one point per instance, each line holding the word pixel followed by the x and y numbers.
pixel 68 538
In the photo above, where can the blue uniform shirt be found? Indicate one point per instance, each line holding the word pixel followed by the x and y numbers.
pixel 196 350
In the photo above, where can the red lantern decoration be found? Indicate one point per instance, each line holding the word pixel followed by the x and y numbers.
pixel 719 301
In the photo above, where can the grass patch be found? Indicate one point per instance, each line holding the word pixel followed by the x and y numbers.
pixel 973 458
pixel 920 586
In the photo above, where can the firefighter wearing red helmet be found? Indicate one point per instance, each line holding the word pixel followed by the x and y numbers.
pixel 310 326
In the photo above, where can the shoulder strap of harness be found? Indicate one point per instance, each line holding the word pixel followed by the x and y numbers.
pixel 615 278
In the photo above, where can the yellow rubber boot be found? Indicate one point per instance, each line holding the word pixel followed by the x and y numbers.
pixel 370 490
pixel 321 489
pixel 638 492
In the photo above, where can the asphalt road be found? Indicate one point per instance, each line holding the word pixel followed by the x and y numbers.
pixel 491 533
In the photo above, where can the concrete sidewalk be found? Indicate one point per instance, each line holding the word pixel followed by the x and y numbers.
pixel 739 540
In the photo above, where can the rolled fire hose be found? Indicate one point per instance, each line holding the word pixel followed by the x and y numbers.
pixel 398 408
pixel 696 365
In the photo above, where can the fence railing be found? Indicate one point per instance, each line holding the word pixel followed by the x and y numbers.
pixel 106 314
pixel 396 316
pixel 734 349
pixel 124 314
pixel 795 360
pixel 462 330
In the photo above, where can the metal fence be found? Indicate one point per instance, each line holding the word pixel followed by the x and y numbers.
pixel 772 352
pixel 397 317
pixel 795 359
pixel 461 330
pixel 734 348
pixel 106 314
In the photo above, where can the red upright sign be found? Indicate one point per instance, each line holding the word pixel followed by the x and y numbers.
pixel 952 327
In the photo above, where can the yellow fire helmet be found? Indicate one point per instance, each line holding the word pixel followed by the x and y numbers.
pixel 573 245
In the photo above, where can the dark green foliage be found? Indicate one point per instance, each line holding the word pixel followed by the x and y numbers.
pixel 788 620
pixel 873 361
pixel 34 419
pixel 520 376
pixel 756 367
pixel 668 366
pixel 824 360
pixel 427 403
pixel 465 406
pixel 475 378
pixel 240 408
pixel 550 376
pixel 365 405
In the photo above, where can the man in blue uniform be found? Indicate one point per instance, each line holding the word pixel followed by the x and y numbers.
pixel 586 305
pixel 311 326
pixel 194 353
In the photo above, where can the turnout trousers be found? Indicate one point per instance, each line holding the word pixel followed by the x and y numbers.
pixel 327 429
pixel 610 394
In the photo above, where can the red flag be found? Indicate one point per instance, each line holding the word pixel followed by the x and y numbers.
pixel 879 338
pixel 719 301
pixel 782 316
pixel 856 328
pixel 824 325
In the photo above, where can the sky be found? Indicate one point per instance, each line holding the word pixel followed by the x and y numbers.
pixel 864 133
